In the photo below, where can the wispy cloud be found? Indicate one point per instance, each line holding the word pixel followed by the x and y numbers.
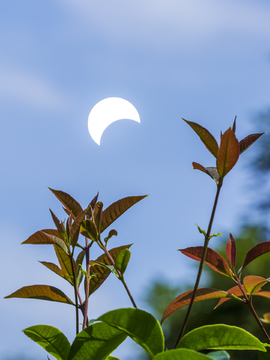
pixel 20 86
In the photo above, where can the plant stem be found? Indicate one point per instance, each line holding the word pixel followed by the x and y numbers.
pixel 120 276
pixel 75 294
pixel 253 311
pixel 87 250
pixel 206 241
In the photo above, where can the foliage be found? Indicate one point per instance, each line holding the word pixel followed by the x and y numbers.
pixel 100 337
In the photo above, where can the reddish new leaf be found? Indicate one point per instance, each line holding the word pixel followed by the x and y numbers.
pixel 184 299
pixel 231 251
pixel 75 228
pixel 248 141
pixel 42 292
pixel 70 204
pixel 206 137
pixel 256 251
pixel 236 291
pixel 265 294
pixel 213 259
pixel 39 237
pixel 54 268
pixel 228 152
pixel 98 214
pixel 234 125
pixel 101 272
pixel 253 283
pixel 117 209
pixel 65 264
pixel 197 166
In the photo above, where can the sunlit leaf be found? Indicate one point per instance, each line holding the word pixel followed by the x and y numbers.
pixel 89 229
pixel 96 342
pixel 117 209
pixel 75 228
pixel 39 237
pixel 213 259
pixel 231 251
pixel 42 292
pixel 184 299
pixel 228 153
pixel 98 214
pixel 101 272
pixel 212 171
pixel 256 251
pixel 183 354
pixel 248 141
pixel 51 339
pixel 266 318
pixel 252 283
pixel 69 203
pixel 141 326
pixel 54 268
pixel 206 137
pixel 235 290
pixel 65 264
pixel 265 294
pixel 220 337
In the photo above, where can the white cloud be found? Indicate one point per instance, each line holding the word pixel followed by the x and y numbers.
pixel 18 85
pixel 172 22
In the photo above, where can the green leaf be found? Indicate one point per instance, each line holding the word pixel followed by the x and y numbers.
pixel 51 339
pixel 206 137
pixel 39 237
pixel 219 355
pixel 101 272
pixel 58 242
pixel 184 299
pixel 228 153
pixel 109 267
pixel 117 209
pixel 122 260
pixel 253 283
pixel 220 337
pixel 65 264
pixel 183 354
pixel 69 203
pixel 43 292
pixel 141 326
pixel 96 342
pixel 112 358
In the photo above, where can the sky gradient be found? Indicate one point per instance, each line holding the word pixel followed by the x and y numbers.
pixel 205 61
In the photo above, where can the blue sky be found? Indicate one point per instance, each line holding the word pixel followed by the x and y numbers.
pixel 206 61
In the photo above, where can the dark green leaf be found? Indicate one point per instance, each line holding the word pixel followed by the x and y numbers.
pixel 65 264
pixel 117 209
pixel 89 229
pixel 51 339
pixel 206 137
pixel 220 337
pixel 96 342
pixel 181 354
pixel 42 292
pixel 141 326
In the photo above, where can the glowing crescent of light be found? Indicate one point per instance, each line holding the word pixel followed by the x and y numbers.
pixel 107 111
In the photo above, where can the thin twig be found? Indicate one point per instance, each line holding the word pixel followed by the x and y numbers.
pixel 206 241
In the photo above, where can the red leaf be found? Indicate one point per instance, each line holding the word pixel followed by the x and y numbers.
pixel 206 137
pixel 117 209
pixel 231 251
pixel 253 283
pixel 70 204
pixel 248 141
pixel 42 292
pixel 265 294
pixel 235 290
pixel 39 237
pixel 213 259
pixel 256 251
pixel 197 166
pixel 184 299
pixel 228 152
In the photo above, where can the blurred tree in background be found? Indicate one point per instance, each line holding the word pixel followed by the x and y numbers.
pixel 232 312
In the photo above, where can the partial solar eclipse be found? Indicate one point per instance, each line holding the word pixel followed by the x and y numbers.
pixel 107 111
